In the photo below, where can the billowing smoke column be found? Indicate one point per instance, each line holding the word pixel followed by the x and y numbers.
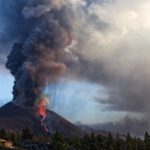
pixel 39 58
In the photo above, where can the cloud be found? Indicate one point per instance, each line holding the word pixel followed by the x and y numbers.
pixel 114 51
pixel 113 47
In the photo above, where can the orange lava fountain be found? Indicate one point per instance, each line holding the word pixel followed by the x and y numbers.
pixel 42 104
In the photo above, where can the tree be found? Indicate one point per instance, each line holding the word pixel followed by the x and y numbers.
pixel 85 141
pixel 119 143
pixel 147 140
pixel 58 142
pixel 13 136
pixel 27 134
pixel 140 144
pixel 19 135
pixel 100 142
pixel 110 142
pixel 129 143
pixel 3 134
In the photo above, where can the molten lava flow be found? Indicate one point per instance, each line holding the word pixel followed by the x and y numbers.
pixel 42 111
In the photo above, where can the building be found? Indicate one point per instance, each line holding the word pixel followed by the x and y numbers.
pixel 6 144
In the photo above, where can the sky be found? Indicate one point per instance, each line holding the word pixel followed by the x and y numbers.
pixel 110 83
pixel 6 83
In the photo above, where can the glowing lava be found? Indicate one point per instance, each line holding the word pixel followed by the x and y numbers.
pixel 42 104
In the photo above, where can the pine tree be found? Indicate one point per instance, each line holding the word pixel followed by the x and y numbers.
pixel 129 143
pixel 3 134
pixel 85 142
pixel 13 136
pixel 26 134
pixel 147 140
pixel 110 142
pixel 58 142
pixel 100 142
pixel 119 143
pixel 140 144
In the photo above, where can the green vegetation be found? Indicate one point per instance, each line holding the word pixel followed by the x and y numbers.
pixel 27 140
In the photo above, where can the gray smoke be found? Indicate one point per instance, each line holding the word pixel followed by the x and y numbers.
pixel 45 29
pixel 115 51
pixel 113 47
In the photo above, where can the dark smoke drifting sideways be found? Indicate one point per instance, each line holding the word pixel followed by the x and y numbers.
pixel 39 58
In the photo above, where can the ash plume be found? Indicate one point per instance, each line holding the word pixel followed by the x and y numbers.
pixel 38 57
pixel 113 43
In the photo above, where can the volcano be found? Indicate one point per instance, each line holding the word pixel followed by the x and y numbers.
pixel 15 118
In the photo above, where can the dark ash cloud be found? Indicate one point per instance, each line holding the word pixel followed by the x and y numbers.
pixel 43 30
pixel 112 51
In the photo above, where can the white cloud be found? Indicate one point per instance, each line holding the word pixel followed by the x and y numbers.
pixel 121 45
pixel 126 37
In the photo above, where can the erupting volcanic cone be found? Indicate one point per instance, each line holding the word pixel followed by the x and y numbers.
pixel 15 118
